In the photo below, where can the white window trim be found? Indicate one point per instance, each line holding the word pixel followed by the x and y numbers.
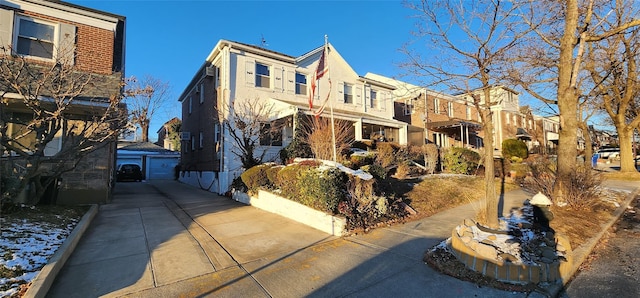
pixel 450 109
pixel 295 82
pixel 269 68
pixel 55 41
pixel 436 105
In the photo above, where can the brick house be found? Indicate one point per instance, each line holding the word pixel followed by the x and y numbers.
pixel 236 72
pixel 436 118
pixel 163 134
pixel 93 42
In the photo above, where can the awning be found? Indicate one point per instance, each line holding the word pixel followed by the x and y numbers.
pixel 441 125
pixel 522 134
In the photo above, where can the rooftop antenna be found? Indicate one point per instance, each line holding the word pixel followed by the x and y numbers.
pixel 263 42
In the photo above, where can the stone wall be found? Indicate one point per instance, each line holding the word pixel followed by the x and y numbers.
pixel 483 257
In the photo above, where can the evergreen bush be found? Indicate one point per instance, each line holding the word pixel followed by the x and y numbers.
pixel 514 148
pixel 256 177
pixel 460 160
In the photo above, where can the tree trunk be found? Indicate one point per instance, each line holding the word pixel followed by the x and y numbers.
pixel 145 131
pixel 491 199
pixel 567 104
pixel 627 159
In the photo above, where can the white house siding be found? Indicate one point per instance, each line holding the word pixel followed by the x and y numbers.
pixel 237 64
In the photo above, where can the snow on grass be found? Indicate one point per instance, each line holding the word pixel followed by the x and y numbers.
pixel 26 245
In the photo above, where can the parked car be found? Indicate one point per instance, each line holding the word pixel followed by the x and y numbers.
pixel 609 153
pixel 128 172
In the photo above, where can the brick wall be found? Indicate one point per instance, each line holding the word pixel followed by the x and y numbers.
pixel 94 46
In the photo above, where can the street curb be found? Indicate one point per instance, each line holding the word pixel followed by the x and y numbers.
pixel 43 281
pixel 581 253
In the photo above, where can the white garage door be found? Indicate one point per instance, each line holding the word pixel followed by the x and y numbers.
pixel 133 160
pixel 161 168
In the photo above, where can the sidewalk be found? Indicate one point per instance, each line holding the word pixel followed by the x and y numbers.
pixel 167 239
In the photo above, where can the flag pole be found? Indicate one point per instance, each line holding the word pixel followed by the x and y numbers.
pixel 333 129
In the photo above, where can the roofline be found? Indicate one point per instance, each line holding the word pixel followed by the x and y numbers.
pixel 70 7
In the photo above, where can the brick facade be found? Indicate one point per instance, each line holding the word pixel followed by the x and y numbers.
pixel 201 120
pixel 98 50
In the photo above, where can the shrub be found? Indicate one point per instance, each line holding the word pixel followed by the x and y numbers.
pixel 322 190
pixel 357 161
pixel 386 154
pixel 360 145
pixel 288 178
pixel 376 171
pixel 256 177
pixel 582 190
pixel 297 148
pixel 430 152
pixel 514 148
pixel 272 175
pixel 403 171
pixel 461 160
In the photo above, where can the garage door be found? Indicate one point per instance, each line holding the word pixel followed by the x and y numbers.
pixel 133 160
pixel 161 168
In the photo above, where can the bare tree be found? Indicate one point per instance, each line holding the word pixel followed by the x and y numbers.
pixel 144 97
pixel 556 58
pixel 465 45
pixel 317 133
pixel 252 126
pixel 47 124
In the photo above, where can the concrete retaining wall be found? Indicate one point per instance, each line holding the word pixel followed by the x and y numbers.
pixel 273 203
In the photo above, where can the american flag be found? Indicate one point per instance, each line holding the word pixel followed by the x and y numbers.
pixel 321 69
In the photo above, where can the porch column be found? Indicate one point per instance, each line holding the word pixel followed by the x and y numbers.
pixel 358 129
pixel 461 135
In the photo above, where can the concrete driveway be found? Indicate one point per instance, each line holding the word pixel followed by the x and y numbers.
pixel 167 239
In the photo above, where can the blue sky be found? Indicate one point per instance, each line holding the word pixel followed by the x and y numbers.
pixel 170 39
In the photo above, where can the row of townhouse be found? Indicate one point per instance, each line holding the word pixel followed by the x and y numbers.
pixel 93 42
pixel 377 106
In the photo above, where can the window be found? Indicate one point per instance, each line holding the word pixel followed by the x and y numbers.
pixel 24 138
pixel 408 107
pixel 217 77
pixel 348 93
pixel 450 109
pixel 270 136
pixel 436 105
pixel 201 140
pixel 468 113
pixel 35 38
pixel 301 84
pixel 193 143
pixel 216 133
pixel 508 119
pixel 262 75
pixel 374 99
pixel 200 90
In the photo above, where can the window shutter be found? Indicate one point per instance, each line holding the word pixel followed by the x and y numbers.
pixel 67 44
pixel 290 84
pixel 278 78
pixel 358 96
pixel 367 96
pixel 6 27
pixel 55 145
pixel 250 73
